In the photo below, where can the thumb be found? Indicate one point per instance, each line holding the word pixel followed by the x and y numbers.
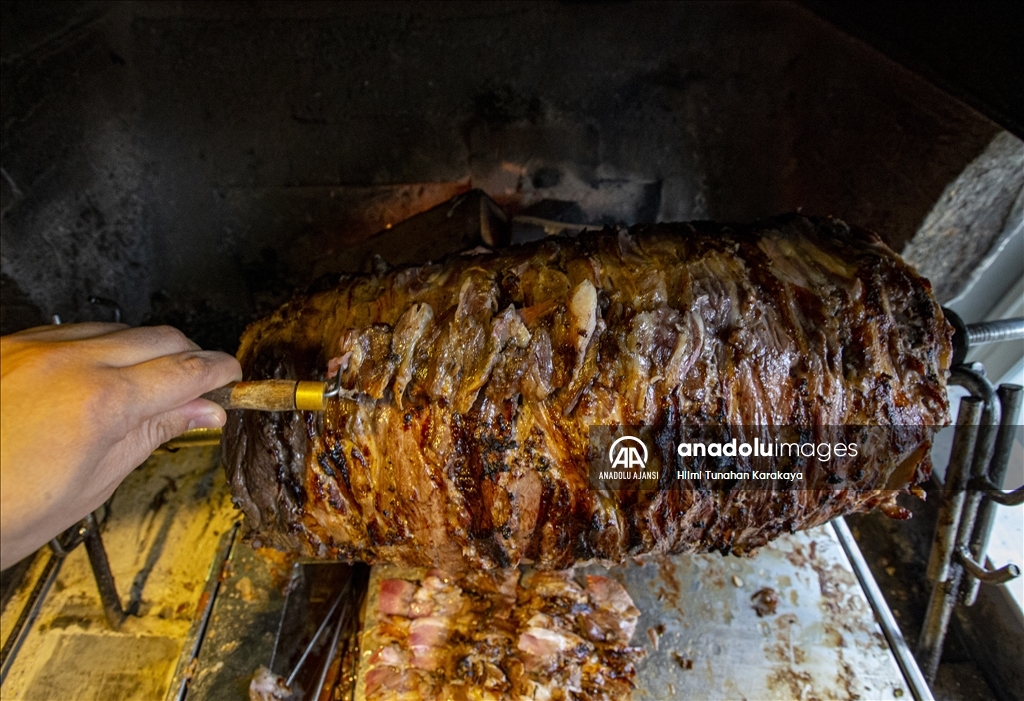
pixel 198 413
pixel 147 436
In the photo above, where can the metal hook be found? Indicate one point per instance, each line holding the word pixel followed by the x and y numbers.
pixel 70 539
pixel 982 573
pixel 1011 498
pixel 334 387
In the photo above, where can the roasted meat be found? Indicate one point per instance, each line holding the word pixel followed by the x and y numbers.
pixel 471 383
pixel 498 635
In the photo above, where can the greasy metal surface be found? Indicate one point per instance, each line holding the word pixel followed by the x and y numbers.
pixel 242 627
pixel 185 668
pixel 819 641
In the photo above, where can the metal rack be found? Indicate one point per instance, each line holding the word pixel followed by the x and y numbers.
pixel 87 532
pixel 970 495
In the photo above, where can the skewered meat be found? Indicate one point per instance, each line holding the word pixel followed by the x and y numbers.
pixel 470 385
pixel 499 635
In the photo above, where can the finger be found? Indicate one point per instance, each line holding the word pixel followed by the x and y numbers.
pixel 166 383
pixel 131 346
pixel 69 332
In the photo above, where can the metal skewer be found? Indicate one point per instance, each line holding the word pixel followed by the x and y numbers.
pixel 316 637
pixel 332 652
pixel 313 642
pixel 277 395
pixel 967 336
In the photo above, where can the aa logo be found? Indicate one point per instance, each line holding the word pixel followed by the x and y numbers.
pixel 625 453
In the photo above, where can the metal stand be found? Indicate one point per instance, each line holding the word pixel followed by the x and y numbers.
pixel 101 571
pixel 85 531
pixel 981 450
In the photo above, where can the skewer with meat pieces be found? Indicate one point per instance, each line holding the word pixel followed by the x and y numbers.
pixel 498 635
pixel 470 386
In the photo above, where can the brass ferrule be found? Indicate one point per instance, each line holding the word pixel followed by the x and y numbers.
pixel 309 396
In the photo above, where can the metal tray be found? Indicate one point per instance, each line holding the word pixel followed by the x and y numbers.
pixel 705 638
pixel 829 636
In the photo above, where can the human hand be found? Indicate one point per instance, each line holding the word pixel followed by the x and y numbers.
pixel 81 406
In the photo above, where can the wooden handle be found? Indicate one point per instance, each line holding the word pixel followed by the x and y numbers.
pixel 270 395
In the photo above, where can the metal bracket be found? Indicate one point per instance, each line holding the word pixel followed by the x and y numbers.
pixel 1013 498
pixel 88 531
pixel 981 450
pixel 976 569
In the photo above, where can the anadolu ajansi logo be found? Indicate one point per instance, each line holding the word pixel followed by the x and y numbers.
pixel 624 453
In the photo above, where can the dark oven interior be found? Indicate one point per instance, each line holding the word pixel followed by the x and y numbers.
pixel 196 163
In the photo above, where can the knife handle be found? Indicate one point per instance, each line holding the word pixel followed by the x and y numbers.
pixel 271 395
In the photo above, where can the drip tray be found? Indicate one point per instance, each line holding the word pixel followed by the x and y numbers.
pixel 791 622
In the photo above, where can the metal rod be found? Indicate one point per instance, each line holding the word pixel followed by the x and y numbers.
pixel 109 304
pixel 552 228
pixel 68 540
pixel 995 331
pixel 1010 400
pixel 967 336
pixel 977 384
pixel 101 571
pixel 988 428
pixel 292 584
pixel 964 441
pixel 316 636
pixel 942 569
pixel 936 622
pixel 331 652
pixel 978 571
pixel 28 614
pixel 193 438
pixel 897 643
